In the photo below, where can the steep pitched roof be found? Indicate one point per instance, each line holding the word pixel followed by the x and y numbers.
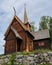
pixel 43 34
pixel 20 22
pixel 16 33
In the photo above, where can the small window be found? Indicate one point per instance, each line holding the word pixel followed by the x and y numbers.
pixel 41 43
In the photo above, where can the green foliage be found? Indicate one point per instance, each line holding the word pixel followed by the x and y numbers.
pixel 23 53
pixel 34 52
pixel 50 26
pixel 37 51
pixel 46 23
pixel 33 28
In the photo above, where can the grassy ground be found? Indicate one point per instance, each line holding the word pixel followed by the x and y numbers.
pixel 32 52
pixel 35 52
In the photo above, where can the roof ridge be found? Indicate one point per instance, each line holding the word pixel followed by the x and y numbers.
pixel 41 30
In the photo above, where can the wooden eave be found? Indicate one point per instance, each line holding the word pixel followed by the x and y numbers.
pixel 42 39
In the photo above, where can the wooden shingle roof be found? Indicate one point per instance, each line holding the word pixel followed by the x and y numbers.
pixel 43 34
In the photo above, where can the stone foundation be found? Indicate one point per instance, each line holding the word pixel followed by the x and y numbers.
pixel 31 59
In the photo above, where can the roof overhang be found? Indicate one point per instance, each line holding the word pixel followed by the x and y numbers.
pixel 16 33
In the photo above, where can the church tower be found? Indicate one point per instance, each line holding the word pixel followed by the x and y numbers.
pixel 26 23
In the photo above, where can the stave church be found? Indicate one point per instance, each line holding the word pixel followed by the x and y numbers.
pixel 19 37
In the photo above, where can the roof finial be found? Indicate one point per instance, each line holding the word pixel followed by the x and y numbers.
pixel 14 10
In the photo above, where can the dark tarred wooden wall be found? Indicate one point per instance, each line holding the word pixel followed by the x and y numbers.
pixel 44 43
pixel 11 40
pixel 10 43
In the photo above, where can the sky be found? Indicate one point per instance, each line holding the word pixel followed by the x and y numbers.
pixel 35 10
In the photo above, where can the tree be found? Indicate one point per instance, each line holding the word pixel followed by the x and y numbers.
pixel 46 23
pixel 50 27
pixel 33 28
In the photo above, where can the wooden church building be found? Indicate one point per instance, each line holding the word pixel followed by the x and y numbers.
pixel 18 36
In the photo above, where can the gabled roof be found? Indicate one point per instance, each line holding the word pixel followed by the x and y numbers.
pixel 42 34
pixel 20 22
pixel 16 33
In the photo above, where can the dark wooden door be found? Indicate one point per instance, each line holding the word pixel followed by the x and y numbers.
pixel 18 45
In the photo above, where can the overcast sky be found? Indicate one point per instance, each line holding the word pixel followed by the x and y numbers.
pixel 35 10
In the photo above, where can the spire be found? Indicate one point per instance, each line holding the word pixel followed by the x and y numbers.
pixel 26 19
pixel 25 15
